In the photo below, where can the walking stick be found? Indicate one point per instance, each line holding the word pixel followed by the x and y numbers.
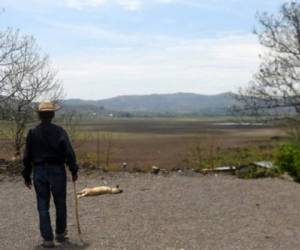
pixel 76 210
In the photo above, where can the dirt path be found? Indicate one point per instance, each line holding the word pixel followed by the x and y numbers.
pixel 173 212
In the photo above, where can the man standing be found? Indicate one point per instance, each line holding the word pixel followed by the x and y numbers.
pixel 47 151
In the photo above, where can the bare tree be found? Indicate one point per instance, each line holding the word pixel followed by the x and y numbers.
pixel 108 149
pixel 26 76
pixel 11 54
pixel 71 121
pixel 276 85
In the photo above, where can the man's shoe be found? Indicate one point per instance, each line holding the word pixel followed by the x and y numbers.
pixel 61 237
pixel 48 244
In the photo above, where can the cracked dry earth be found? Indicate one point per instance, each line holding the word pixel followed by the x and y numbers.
pixel 171 212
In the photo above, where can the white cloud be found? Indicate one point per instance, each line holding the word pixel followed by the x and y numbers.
pixel 135 5
pixel 84 3
pixel 165 1
pixel 129 5
pixel 206 66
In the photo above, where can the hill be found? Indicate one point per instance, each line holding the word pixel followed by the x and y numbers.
pixel 179 103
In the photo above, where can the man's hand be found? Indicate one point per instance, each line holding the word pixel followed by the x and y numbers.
pixel 28 184
pixel 74 178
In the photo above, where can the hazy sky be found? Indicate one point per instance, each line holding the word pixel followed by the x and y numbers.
pixel 105 48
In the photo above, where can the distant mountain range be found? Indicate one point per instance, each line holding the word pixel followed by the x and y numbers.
pixel 179 103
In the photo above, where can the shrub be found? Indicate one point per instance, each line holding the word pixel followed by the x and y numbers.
pixel 254 172
pixel 208 155
pixel 288 160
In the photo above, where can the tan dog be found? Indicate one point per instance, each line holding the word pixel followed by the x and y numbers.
pixel 98 191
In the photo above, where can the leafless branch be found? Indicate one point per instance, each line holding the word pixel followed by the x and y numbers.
pixel 275 89
pixel 25 77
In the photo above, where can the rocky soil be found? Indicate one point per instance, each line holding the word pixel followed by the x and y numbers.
pixel 170 212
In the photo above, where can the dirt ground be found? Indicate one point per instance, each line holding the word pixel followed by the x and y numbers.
pixel 174 212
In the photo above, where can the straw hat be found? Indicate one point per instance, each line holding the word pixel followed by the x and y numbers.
pixel 46 106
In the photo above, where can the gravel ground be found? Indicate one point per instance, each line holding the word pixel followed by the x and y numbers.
pixel 164 212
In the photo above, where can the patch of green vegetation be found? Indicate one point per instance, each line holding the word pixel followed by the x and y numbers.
pixel 254 172
pixel 210 155
pixel 288 160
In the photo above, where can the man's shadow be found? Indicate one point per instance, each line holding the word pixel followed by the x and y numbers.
pixel 74 245
pixel 80 245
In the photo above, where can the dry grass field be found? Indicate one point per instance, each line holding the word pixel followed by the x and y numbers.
pixel 172 143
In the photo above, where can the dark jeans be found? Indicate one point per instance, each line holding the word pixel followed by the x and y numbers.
pixel 51 179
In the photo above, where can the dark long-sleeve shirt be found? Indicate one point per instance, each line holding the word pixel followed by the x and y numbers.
pixel 48 143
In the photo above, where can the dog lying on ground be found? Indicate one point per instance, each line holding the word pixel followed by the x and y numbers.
pixel 99 191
